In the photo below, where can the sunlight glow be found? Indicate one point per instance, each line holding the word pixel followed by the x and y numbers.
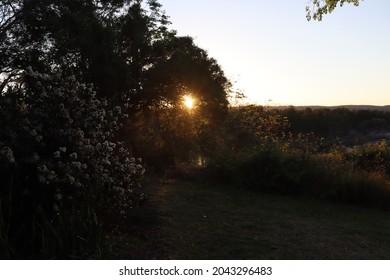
pixel 188 101
pixel 342 60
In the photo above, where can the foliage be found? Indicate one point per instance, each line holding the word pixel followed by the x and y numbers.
pixel 73 172
pixel 165 137
pixel 258 122
pixel 273 170
pixel 327 175
pixel 319 8
pixel 65 34
pixel 184 68
pixel 250 137
pixel 61 168
pixel 350 127
pixel 256 150
pixel 372 157
pixel 138 61
pixel 244 128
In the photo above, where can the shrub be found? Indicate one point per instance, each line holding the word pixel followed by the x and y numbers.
pixel 61 169
pixel 267 168
pixel 271 169
pixel 362 188
pixel 373 157
pixel 282 169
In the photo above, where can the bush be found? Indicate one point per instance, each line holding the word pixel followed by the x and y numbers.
pixel 61 169
pixel 267 168
pixel 362 188
pixel 273 170
pixel 281 169
pixel 373 157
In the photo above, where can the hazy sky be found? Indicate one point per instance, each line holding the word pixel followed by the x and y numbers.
pixel 274 53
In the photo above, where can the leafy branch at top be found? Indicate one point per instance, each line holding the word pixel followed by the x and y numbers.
pixel 317 8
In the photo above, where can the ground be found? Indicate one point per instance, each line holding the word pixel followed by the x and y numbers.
pixel 193 220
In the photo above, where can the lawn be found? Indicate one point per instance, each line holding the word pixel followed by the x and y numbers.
pixel 193 220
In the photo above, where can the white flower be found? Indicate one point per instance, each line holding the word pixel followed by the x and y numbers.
pixel 42 168
pixel 35 157
pixel 73 156
pixel 76 164
pixel 42 179
pixel 51 175
pixel 56 208
pixel 33 133
pixel 88 125
pixel 70 179
pixel 118 109
pixel 80 134
pixel 8 154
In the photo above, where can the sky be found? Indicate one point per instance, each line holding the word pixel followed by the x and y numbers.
pixel 276 57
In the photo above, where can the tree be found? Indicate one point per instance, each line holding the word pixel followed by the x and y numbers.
pixel 164 131
pixel 323 7
pixel 123 47
pixel 182 67
pixel 117 45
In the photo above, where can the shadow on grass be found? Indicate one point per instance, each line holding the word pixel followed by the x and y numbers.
pixel 198 221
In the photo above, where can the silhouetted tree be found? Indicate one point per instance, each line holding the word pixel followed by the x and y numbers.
pixel 123 47
pixel 181 68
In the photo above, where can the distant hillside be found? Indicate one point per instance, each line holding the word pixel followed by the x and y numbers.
pixel 350 107
pixel 367 107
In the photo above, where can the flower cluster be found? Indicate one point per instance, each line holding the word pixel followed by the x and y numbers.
pixel 58 132
pixel 6 155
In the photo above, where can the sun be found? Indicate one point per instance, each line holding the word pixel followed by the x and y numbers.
pixel 188 101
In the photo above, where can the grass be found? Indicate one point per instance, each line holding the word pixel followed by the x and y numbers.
pixel 199 221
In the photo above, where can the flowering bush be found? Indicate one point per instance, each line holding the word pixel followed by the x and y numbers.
pixel 58 152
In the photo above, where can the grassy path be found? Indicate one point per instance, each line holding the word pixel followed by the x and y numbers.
pixel 195 221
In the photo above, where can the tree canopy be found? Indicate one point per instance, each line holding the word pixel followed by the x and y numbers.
pixel 318 8
pixel 123 47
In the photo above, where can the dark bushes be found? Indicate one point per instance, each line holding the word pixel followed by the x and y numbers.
pixel 61 169
pixel 357 176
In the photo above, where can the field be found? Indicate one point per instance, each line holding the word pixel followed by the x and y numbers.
pixel 194 220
